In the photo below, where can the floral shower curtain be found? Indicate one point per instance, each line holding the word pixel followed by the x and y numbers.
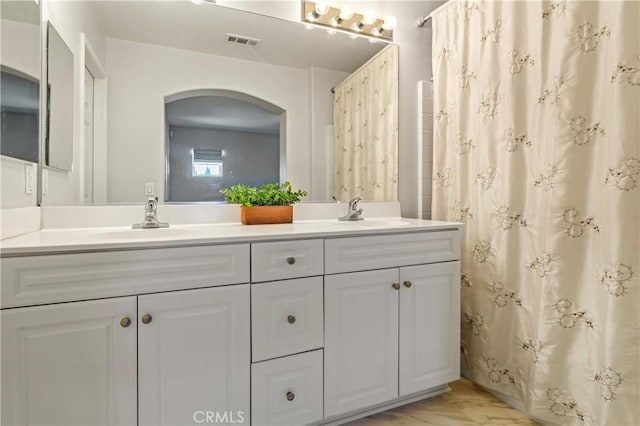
pixel 536 141
pixel 365 117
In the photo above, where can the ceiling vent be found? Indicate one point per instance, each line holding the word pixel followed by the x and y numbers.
pixel 243 40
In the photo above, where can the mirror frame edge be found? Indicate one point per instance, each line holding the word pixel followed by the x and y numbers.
pixel 43 102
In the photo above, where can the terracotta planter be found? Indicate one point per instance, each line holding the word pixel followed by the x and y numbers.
pixel 262 215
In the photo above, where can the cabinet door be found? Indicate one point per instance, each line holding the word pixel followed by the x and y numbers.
pixel 361 340
pixel 429 326
pixel 70 364
pixel 194 355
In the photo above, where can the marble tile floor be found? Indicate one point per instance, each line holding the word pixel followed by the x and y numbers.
pixel 466 404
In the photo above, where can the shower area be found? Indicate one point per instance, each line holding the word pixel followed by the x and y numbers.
pixel 536 148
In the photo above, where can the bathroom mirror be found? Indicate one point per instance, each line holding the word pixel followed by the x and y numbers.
pixel 60 76
pixel 140 57
pixel 20 81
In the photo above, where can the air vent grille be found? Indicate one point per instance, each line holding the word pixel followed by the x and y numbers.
pixel 243 40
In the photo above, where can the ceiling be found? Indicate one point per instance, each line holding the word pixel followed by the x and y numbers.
pixel 20 11
pixel 221 112
pixel 203 28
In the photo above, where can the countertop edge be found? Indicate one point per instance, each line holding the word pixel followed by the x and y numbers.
pixel 190 241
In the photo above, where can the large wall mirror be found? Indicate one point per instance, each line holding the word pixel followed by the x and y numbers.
pixel 178 100
pixel 20 75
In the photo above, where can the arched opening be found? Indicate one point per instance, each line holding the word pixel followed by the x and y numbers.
pixel 218 138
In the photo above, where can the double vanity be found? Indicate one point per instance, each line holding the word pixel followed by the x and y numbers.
pixel 306 323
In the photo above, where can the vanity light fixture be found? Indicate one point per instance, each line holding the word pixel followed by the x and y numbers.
pixel 344 19
pixel 345 14
pixel 321 8
pixel 389 24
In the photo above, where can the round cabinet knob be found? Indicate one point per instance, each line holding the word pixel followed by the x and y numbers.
pixel 396 286
pixel 125 322
pixel 407 284
pixel 146 318
pixel 291 319
pixel 291 260
pixel 291 396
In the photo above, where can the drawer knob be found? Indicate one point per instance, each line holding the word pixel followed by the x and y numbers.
pixel 396 286
pixel 146 318
pixel 291 319
pixel 407 284
pixel 125 322
pixel 291 260
pixel 291 396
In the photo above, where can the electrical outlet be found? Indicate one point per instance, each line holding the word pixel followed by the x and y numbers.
pixel 148 188
pixel 29 179
pixel 45 181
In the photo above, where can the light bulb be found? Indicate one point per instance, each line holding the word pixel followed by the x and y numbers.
pixel 322 8
pixel 334 22
pixel 345 13
pixel 357 27
pixel 312 16
pixel 390 23
pixel 368 18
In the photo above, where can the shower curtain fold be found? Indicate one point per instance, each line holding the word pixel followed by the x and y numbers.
pixel 365 117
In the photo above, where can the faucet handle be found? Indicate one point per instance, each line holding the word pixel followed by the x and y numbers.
pixel 353 203
pixel 152 204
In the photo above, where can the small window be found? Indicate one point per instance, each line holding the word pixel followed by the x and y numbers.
pixel 207 162
pixel 207 169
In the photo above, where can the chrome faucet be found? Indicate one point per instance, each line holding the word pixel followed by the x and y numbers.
pixel 353 212
pixel 151 216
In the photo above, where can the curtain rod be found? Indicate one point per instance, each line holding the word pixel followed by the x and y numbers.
pixel 426 18
pixel 423 20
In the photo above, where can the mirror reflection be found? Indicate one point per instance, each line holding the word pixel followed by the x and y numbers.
pixel 151 74
pixel 20 80
pixel 217 139
pixel 59 136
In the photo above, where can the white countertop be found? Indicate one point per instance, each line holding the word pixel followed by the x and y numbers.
pixel 65 240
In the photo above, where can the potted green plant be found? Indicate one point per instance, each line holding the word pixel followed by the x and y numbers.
pixel 271 203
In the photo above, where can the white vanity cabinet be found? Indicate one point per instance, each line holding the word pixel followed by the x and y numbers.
pixel 389 333
pixel 361 340
pixel 70 364
pixel 193 355
pixel 287 332
pixel 429 326
pixel 148 359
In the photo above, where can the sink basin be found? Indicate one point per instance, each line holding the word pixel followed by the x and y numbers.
pixel 373 223
pixel 146 234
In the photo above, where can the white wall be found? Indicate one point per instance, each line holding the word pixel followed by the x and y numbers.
pixel 141 75
pixel 321 105
pixel 20 51
pixel 425 135
pixel 71 18
pixel 415 65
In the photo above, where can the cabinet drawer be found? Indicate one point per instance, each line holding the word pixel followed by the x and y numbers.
pixel 388 251
pixel 287 317
pixel 286 259
pixel 287 391
pixel 68 277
